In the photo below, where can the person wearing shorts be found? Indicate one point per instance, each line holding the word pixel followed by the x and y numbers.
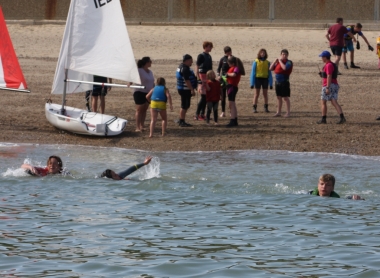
pixel 100 91
pixel 203 65
pixel 186 84
pixel 282 68
pixel 349 45
pixel 139 95
pixel 158 97
pixel 261 77
pixel 335 35
pixel 330 88
pixel 233 79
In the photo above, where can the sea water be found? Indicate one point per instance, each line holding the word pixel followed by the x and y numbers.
pixel 187 214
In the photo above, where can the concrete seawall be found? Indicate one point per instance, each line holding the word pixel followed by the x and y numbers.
pixel 275 13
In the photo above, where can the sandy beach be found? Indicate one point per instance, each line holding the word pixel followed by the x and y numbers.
pixel 37 46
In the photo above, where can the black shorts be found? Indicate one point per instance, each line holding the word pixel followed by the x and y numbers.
pixel 283 89
pixel 231 92
pixel 185 98
pixel 336 50
pixel 99 91
pixel 261 83
pixel 140 98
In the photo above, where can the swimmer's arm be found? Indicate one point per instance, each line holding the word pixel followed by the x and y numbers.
pixel 355 197
pixel 30 168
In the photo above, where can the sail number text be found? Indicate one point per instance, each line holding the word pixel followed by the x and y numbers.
pixel 101 3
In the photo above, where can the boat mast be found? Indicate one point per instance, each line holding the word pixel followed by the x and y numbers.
pixel 72 12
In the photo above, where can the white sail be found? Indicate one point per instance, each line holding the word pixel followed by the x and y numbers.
pixel 95 42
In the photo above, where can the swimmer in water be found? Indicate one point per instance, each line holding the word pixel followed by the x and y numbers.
pixel 122 175
pixel 326 188
pixel 54 166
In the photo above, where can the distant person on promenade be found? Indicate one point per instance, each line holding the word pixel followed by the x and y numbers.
pixel 261 77
pixel 139 95
pixel 100 91
pixel 282 68
pixel 233 79
pixel 349 46
pixel 54 166
pixel 335 35
pixel 213 95
pixel 325 188
pixel 122 175
pixel 330 88
pixel 222 71
pixel 158 97
pixel 186 84
pixel 203 65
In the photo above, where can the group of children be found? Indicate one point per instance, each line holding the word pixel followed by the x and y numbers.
pixel 214 87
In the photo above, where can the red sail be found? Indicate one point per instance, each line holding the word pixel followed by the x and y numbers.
pixel 11 75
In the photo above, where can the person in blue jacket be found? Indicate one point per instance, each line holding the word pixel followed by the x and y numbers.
pixel 261 77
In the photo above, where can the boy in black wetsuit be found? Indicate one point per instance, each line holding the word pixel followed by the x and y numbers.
pixel 122 175
pixel 223 67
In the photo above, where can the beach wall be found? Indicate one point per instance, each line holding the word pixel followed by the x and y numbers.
pixel 208 11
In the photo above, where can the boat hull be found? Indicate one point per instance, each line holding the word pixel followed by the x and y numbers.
pixel 83 122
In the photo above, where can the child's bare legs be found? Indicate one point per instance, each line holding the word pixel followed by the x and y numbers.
pixel 287 102
pixel 337 106
pixel 279 106
pixel 324 107
pixel 164 121
pixel 144 107
pixel 153 115
pixel 256 96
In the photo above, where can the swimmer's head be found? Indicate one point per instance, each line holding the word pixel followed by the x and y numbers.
pixel 107 173
pixel 54 164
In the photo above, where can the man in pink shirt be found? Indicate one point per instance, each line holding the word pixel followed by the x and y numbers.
pixel 330 88
pixel 335 35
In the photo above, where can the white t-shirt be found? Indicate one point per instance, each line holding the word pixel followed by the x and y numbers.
pixel 147 80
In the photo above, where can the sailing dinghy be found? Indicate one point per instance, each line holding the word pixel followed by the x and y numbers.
pixel 11 77
pixel 95 42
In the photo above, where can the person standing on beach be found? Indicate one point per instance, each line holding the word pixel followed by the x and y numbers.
pixel 213 95
pixel 282 68
pixel 203 65
pixel 158 97
pixel 233 79
pixel 335 36
pixel 100 91
pixel 222 71
pixel 139 95
pixel 330 88
pixel 186 84
pixel 261 77
pixel 349 45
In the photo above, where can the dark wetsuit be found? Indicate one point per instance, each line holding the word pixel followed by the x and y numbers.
pixel 130 170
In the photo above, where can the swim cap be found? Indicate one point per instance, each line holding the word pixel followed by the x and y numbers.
pixel 107 173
